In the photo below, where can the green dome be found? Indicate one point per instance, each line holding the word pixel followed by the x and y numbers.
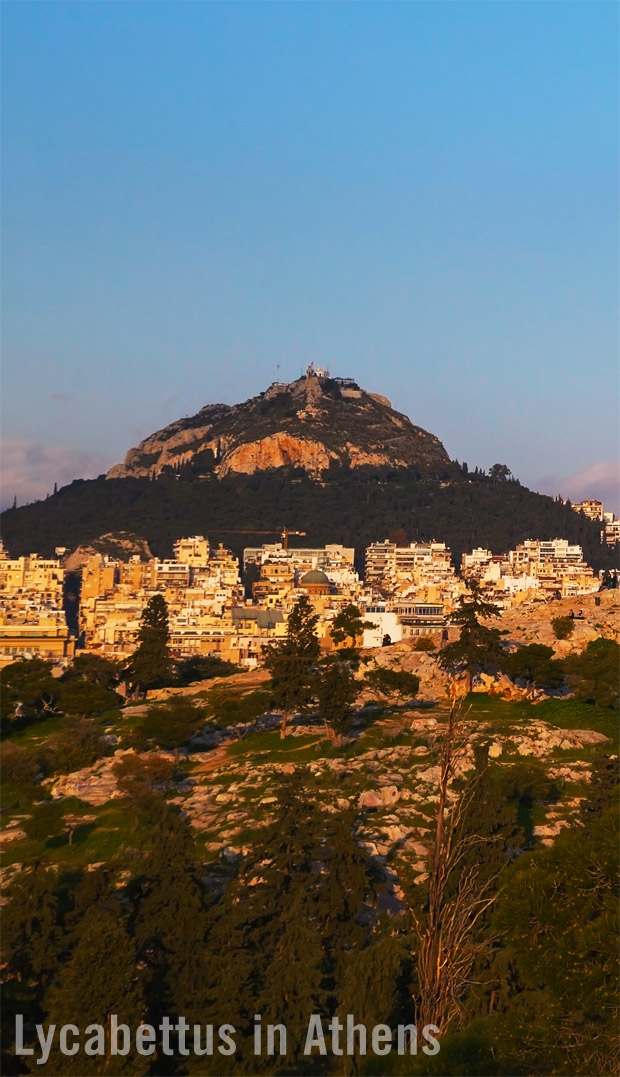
pixel 315 576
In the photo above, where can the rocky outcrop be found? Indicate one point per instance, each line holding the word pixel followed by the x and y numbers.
pixel 312 423
pixel 278 450
pixel 531 622
pixel 119 545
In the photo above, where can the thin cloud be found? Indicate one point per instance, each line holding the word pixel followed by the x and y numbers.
pixel 29 469
pixel 600 480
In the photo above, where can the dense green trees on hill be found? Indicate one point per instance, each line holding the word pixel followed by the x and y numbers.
pixel 295 928
pixel 509 943
pixel 354 507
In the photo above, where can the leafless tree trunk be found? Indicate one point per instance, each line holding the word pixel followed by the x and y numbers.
pixel 448 940
pixel 286 716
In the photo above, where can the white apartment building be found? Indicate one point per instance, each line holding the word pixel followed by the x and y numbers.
pixel 610 534
pixel 553 551
pixel 411 569
pixel 303 558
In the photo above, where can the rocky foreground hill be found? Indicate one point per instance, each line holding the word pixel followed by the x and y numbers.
pixel 388 775
pixel 312 423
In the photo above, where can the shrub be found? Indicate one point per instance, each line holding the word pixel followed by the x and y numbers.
pixel 46 821
pixel 563 627
pixel 228 709
pixel 18 765
pixel 28 690
pixel 93 669
pixel 392 682
pixel 203 667
pixel 169 725
pixel 134 774
pixel 424 643
pixel 535 663
pixel 79 744
pixel 85 698
pixel 593 674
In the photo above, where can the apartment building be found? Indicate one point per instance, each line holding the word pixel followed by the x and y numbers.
pixel 303 559
pixel 591 508
pixel 423 570
pixel 32 619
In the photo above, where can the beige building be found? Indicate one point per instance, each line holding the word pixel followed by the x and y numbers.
pixel 591 508
pixel 544 567
pixel 32 620
pixel 421 570
pixel 43 576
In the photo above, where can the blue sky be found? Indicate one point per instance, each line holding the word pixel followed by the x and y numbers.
pixel 422 196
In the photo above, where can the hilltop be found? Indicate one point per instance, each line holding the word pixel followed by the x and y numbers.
pixel 314 423
pixel 318 455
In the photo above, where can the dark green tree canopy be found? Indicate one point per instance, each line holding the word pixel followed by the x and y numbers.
pixel 151 664
pixel 336 692
pixel 349 624
pixel 478 647
pixel 499 472
pixel 292 661
pixel 393 683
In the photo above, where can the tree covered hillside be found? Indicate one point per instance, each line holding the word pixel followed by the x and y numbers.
pixel 355 508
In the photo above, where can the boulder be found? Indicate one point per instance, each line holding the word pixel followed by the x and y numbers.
pixel 384 797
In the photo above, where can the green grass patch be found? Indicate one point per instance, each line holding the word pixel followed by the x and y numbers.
pixel 269 748
pixel 33 736
pixel 561 713
pixel 573 714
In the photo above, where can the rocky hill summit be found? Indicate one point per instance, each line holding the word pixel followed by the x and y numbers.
pixel 313 423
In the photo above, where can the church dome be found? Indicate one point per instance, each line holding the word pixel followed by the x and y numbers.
pixel 314 576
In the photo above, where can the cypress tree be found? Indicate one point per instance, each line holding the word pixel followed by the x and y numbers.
pixel 151 662
pixel 170 924
pixel 337 690
pixel 99 979
pixel 292 662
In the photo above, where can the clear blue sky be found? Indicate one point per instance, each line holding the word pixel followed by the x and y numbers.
pixel 422 196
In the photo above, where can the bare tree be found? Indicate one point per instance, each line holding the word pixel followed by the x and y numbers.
pixel 460 891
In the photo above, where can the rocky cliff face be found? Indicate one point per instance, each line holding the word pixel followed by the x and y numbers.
pixel 311 423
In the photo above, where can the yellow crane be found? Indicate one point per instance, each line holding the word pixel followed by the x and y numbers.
pixel 283 533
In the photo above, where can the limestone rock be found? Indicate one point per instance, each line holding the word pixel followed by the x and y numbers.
pixel 310 423
pixel 379 798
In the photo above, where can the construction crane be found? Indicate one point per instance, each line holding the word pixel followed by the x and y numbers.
pixel 283 533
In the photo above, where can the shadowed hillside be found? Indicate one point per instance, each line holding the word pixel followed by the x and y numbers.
pixel 357 508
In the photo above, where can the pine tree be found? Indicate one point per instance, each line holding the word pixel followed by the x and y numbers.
pixel 99 979
pixel 46 919
pixel 558 920
pixel 293 984
pixel 348 624
pixel 292 662
pixel 336 691
pixel 478 647
pixel 151 662
pixel 171 921
pixel 290 925
pixel 31 928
